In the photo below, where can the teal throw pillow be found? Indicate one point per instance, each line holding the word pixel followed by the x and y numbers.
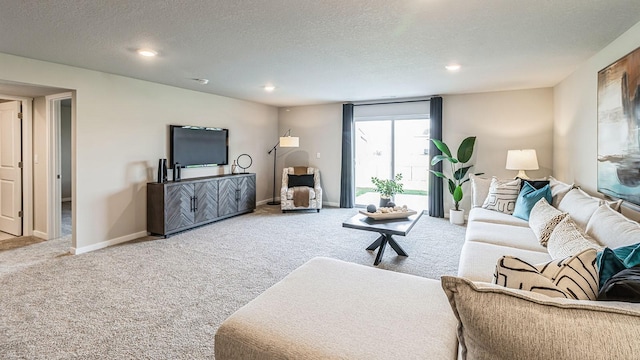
pixel 528 197
pixel 611 262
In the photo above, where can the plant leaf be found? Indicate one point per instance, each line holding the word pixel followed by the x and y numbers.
pixel 442 147
pixel 461 173
pixel 452 187
pixel 465 151
pixel 457 193
pixel 436 159
pixel 438 174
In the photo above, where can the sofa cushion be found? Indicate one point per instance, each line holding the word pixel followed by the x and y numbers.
pixel 490 216
pixel 574 277
pixel 331 309
pixel 623 286
pixel 558 190
pixel 498 323
pixel 528 197
pixel 612 261
pixel 478 260
pixel 612 229
pixel 479 189
pixel 580 206
pixel 502 196
pixel 543 219
pixel 568 239
pixel 504 235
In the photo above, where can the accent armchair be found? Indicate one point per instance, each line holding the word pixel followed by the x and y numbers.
pixel 300 189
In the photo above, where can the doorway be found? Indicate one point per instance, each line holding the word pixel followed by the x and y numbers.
pixel 386 147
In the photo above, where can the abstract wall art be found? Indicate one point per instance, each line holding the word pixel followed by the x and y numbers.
pixel 618 133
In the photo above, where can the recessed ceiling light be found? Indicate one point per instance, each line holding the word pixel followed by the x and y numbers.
pixel 147 52
pixel 269 88
pixel 452 67
pixel 202 81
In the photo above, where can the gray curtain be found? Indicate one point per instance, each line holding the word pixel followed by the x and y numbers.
pixel 436 202
pixel 347 184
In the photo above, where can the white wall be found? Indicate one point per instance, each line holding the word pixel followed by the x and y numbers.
pixel 120 128
pixel 320 130
pixel 501 121
pixel 576 115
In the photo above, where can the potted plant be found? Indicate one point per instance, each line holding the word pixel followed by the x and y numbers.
pixel 387 188
pixel 459 171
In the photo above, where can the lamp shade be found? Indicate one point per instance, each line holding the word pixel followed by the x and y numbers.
pixel 522 160
pixel 289 141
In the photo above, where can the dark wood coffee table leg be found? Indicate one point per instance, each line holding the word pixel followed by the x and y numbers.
pixel 374 245
pixel 395 246
pixel 383 245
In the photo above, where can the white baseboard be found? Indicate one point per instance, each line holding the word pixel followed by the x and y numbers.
pixel 40 235
pixel 331 204
pixel 107 243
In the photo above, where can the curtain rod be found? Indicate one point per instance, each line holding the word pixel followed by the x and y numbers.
pixel 393 102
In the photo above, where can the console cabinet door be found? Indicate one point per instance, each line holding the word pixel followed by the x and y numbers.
pixel 206 200
pixel 179 206
pixel 247 187
pixel 227 196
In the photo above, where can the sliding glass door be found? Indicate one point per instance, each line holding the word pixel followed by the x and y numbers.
pixel 386 147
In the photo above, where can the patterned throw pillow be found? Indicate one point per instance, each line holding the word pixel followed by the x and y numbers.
pixel 575 277
pixel 567 239
pixel 543 218
pixel 502 196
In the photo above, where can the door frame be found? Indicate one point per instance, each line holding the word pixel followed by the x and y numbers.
pixel 27 162
pixel 54 185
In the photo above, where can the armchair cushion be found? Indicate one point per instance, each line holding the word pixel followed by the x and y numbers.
pixel 301 180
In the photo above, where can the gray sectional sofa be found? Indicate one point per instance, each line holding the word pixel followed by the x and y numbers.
pixel 330 309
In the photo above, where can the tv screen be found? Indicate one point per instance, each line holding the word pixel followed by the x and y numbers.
pixel 194 146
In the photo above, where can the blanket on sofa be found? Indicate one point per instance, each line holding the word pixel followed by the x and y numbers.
pixel 301 196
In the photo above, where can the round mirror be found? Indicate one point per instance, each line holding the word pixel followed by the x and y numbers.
pixel 244 161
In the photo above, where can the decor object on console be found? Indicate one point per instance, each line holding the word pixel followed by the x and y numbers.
pixel 162 170
pixel 286 140
pixel 244 161
pixel 300 189
pixel 618 118
pixel 522 160
pixel 458 172
pixel 387 188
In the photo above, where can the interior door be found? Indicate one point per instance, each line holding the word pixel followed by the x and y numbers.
pixel 10 168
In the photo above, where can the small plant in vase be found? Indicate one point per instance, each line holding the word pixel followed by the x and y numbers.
pixel 387 188
pixel 458 173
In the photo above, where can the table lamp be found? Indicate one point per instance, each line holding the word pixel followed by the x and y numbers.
pixel 522 160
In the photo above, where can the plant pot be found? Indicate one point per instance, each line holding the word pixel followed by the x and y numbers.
pixel 384 201
pixel 456 217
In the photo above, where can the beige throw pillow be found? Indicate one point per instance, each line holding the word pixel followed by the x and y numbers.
pixel 612 229
pixel 498 323
pixel 575 277
pixel 558 190
pixel 543 219
pixel 580 206
pixel 502 196
pixel 568 239
pixel 479 189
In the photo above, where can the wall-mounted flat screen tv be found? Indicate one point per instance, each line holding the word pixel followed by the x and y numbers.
pixel 196 146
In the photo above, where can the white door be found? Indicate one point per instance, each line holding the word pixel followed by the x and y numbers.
pixel 10 168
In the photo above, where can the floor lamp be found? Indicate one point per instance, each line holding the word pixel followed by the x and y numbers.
pixel 286 140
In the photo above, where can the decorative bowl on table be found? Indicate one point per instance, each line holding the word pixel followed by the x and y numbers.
pixel 389 213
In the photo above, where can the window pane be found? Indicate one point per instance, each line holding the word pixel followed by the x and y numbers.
pixel 412 161
pixel 373 158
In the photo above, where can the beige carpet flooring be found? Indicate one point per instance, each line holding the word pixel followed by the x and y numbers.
pixel 165 298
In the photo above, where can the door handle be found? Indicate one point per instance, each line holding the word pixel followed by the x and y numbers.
pixel 195 203
pixel 191 205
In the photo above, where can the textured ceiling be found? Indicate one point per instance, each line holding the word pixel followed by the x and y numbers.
pixel 320 51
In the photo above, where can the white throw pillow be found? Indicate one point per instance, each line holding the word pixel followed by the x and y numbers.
pixel 574 277
pixel 543 219
pixel 567 239
pixel 502 196
pixel 558 190
pixel 500 323
pixel 580 206
pixel 612 229
pixel 479 190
